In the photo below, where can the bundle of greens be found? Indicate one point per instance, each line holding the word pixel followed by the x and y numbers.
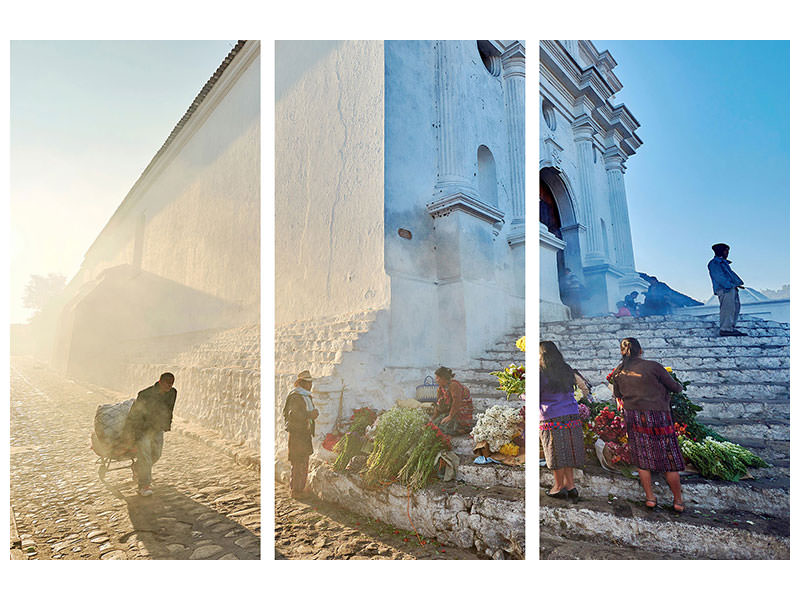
pixel 419 466
pixel 684 411
pixel 396 434
pixel 721 459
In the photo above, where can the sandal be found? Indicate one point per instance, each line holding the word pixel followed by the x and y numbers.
pixel 677 510
pixel 651 504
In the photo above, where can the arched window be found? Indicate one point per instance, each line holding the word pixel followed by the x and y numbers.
pixel 487 177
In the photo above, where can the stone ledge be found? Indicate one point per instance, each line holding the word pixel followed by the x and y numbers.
pixel 662 534
pixel 491 521
pixel 767 496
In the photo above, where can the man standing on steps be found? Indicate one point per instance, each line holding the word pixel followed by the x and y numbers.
pixel 726 285
pixel 149 418
pixel 299 416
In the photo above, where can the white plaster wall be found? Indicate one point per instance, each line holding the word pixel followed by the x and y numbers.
pixel 329 183
pixel 485 263
pixel 202 203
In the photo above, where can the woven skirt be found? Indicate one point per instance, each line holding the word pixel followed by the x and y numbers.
pixel 652 441
pixel 562 441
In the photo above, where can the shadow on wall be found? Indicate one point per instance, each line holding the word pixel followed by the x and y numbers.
pixel 126 303
pixel 300 57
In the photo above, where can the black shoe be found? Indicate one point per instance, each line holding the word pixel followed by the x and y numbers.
pixel 573 494
pixel 737 332
pixel 561 494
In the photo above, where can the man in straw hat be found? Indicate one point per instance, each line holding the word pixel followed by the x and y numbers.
pixel 298 415
pixel 726 285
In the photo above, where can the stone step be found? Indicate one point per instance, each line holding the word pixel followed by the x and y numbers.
pixel 707 376
pixel 491 521
pixel 623 328
pixel 483 403
pixel 654 321
pixel 767 430
pixel 491 475
pixel 725 535
pixel 737 409
pixel 767 495
pixel 683 365
pixel 678 346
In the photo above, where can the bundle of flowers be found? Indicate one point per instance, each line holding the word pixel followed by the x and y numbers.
pixel 509 449
pixel 362 418
pixel 419 466
pixel 721 459
pixel 498 426
pixel 396 434
pixel 521 343
pixel 330 441
pixel 609 426
pixel 512 379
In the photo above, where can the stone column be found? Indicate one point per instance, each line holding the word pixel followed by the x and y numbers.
pixel 452 177
pixel 584 130
pixel 615 169
pixel 513 61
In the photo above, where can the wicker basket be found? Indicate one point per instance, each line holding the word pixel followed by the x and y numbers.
pixel 427 391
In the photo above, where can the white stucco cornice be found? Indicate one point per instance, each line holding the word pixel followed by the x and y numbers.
pixel 466 203
pixel 589 90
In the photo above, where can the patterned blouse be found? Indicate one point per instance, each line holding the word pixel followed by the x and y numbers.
pixel 455 401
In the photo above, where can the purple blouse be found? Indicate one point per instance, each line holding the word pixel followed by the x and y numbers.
pixel 557 404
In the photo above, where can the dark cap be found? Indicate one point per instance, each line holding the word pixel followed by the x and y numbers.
pixel 719 249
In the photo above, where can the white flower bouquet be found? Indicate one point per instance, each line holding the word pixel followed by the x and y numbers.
pixel 497 426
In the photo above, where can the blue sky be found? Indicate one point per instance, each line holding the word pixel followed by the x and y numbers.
pixel 86 118
pixel 714 166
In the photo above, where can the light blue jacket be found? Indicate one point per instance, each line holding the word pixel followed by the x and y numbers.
pixel 723 278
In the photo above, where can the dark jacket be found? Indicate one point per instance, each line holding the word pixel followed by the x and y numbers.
pixel 723 278
pixel 151 410
pixel 645 385
pixel 300 426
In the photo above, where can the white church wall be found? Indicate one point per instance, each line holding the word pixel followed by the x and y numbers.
pixel 181 255
pixel 329 179
pixel 443 279
pixel 196 208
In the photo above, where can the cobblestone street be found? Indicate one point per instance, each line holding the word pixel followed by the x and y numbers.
pixel 313 529
pixel 205 506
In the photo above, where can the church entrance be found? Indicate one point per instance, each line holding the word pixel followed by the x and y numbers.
pixel 549 215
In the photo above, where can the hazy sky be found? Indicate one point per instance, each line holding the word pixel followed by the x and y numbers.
pixel 86 119
pixel 714 166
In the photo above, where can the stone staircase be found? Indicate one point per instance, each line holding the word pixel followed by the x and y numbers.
pixel 483 388
pixel 742 383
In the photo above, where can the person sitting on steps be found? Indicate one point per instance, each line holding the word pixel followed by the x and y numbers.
pixel 452 412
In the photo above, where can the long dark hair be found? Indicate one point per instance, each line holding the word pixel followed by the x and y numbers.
pixel 555 375
pixel 630 348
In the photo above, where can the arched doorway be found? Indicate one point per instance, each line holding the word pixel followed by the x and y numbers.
pixel 558 215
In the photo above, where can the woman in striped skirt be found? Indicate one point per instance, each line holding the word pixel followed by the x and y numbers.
pixel 642 388
pixel 560 427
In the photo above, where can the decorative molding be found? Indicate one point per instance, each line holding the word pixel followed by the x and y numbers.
pixel 552 155
pixel 466 203
pixel 549 240
pixel 513 59
pixel 516 237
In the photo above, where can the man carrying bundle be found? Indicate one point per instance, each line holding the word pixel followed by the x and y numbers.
pixel 150 417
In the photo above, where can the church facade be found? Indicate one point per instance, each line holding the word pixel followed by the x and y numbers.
pixel 585 140
pixel 400 221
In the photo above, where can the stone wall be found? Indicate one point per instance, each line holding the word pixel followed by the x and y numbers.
pixel 217 374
